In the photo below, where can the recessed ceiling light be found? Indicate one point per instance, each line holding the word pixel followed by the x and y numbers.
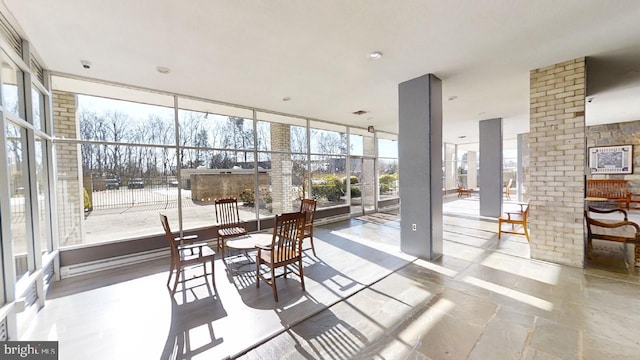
pixel 359 112
pixel 374 55
pixel 452 97
pixel 286 98
pixel 163 70
pixel 462 136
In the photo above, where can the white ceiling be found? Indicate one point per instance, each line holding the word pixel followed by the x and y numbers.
pixel 255 53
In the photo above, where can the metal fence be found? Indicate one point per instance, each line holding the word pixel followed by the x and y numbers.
pixel 109 194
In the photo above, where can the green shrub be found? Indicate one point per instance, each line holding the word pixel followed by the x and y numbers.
pixel 388 179
pixel 330 188
pixel 353 179
pixel 248 197
pixel 386 182
pixel 355 191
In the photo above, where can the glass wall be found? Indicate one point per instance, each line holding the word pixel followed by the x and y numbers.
pixel 328 163
pixel 19 196
pixel 145 153
pixel 388 166
pixel 26 237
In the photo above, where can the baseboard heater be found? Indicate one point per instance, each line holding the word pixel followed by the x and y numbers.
pixel 112 263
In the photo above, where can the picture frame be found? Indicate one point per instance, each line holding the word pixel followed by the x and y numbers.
pixel 611 159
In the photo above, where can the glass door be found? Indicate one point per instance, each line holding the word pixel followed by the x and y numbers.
pixel 363 182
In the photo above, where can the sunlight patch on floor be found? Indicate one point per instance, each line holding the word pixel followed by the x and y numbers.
pixel 514 294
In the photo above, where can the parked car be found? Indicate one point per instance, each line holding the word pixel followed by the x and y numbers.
pixel 172 181
pixel 135 183
pixel 112 184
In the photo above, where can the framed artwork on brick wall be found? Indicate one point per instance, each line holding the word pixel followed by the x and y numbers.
pixel 611 159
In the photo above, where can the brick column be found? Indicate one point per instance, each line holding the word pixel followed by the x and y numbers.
pixel 281 169
pixel 368 173
pixel 68 170
pixel 557 162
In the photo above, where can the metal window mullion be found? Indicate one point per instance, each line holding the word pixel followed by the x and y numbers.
pixel 33 243
pixel 309 182
pixel 256 179
pixel 176 125
pixel 376 174
pixel 348 169
pixel 52 187
pixel 8 268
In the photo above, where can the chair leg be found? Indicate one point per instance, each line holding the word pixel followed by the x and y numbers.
pixel 257 273
pixel 175 283
pixel 499 228
pixel 171 268
pixel 273 283
pixel 526 232
pixel 313 248
pixel 213 273
pixel 300 272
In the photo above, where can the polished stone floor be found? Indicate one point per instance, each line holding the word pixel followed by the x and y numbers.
pixel 364 299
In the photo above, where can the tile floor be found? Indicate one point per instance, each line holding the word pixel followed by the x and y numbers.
pixel 483 299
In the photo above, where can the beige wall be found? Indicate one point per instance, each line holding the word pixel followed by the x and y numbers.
pixel 557 160
pixel 218 184
pixel 626 133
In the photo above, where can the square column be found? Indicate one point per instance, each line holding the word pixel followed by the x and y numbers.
pixel 420 158
pixel 491 167
pixel 557 162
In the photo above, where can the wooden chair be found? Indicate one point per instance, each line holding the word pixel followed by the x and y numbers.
pixel 228 221
pixel 464 191
pixel 308 207
pixel 507 191
pixel 618 230
pixel 285 249
pixel 514 218
pixel 184 252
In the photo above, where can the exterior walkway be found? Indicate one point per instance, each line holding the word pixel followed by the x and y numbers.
pixel 484 299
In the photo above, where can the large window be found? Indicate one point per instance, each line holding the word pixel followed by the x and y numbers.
pixel 388 167
pixel 18 187
pixel 128 162
pixel 11 85
pixel 140 155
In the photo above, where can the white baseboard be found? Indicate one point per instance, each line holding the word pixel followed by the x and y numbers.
pixel 111 263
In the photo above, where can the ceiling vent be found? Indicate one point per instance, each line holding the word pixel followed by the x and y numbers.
pixel 359 112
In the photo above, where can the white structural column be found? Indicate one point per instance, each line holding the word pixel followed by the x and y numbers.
pixel 420 156
pixel 472 170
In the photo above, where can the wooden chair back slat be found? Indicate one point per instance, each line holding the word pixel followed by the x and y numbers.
pixel 287 237
pixel 227 213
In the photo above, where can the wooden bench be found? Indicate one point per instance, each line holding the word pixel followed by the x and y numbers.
pixel 612 189
pixel 619 229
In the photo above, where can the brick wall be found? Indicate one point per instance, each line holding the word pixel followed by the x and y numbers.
pixel 68 170
pixel 557 161
pixel 206 187
pixel 625 133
